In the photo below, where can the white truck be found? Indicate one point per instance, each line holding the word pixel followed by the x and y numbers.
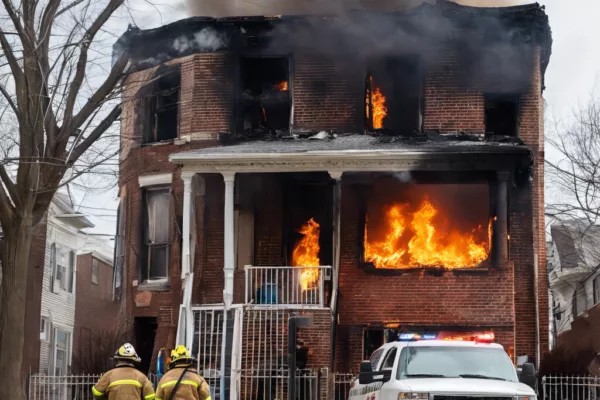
pixel 442 370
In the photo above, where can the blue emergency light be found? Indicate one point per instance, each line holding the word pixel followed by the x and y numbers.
pixel 411 337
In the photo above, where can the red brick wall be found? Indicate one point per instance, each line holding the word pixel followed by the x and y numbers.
pixel 95 311
pixel 583 334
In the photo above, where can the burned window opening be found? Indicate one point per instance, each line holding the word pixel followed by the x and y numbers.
pixel 394 96
pixel 501 114
pixel 407 226
pixel 265 95
pixel 163 106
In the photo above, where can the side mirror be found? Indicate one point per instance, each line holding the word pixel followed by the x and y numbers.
pixel 367 375
pixel 528 375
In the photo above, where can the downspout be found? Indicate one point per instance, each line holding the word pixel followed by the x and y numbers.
pixel 537 302
pixel 337 199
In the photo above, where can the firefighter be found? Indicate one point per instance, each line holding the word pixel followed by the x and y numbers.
pixel 181 383
pixel 124 382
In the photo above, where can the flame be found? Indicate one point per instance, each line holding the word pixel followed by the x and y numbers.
pixel 379 107
pixel 412 240
pixel 306 254
pixel 281 86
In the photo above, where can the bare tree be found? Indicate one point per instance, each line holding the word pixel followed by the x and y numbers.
pixel 53 110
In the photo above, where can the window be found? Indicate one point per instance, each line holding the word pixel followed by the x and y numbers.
pixel 501 114
pixel 244 238
pixel 389 359
pixel 54 284
pixel 265 95
pixel 163 107
pixel 156 234
pixel 579 301
pixel 596 283
pixel 95 271
pixel 44 329
pixel 71 276
pixel 375 358
pixel 62 346
pixel 394 95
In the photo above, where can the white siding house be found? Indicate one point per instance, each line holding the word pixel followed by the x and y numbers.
pixel 63 239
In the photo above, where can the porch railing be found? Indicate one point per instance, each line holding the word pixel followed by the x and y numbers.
pixel 67 387
pixel 293 286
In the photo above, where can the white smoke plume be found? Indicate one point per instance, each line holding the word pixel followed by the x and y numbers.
pixel 206 39
pixel 227 8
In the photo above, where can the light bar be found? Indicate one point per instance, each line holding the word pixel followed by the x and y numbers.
pixel 485 338
pixel 407 337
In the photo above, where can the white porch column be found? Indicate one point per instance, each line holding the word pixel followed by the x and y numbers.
pixel 187 218
pixel 229 265
pixel 185 329
pixel 337 198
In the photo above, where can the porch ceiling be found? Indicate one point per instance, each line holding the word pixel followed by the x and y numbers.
pixel 352 153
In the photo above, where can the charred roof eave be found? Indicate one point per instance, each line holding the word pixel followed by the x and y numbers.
pixel 526 23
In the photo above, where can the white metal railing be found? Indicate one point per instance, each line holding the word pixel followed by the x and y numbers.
pixel 294 286
pixel 341 385
pixel 67 387
pixel 571 387
pixel 208 342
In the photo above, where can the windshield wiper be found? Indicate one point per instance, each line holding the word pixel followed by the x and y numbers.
pixel 425 376
pixel 476 376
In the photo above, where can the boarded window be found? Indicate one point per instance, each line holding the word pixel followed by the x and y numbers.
pixel 95 271
pixel 163 108
pixel 156 234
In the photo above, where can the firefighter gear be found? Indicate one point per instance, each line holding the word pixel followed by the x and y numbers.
pixel 123 383
pixel 191 387
pixel 180 356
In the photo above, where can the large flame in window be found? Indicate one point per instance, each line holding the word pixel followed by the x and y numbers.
pixel 423 237
pixel 377 101
pixel 306 254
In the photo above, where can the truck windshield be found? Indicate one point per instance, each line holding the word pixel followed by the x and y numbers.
pixel 455 362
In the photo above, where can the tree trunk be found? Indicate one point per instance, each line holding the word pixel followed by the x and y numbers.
pixel 13 294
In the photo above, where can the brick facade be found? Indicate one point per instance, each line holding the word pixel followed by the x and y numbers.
pixel 500 299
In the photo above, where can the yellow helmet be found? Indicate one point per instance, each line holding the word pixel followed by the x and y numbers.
pixel 127 353
pixel 181 356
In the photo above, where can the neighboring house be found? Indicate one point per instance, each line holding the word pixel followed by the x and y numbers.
pixel 574 276
pixel 253 161
pixel 96 311
pixel 59 285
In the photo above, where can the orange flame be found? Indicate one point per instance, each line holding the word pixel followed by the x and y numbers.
pixel 379 108
pixel 281 86
pixel 306 254
pixel 412 240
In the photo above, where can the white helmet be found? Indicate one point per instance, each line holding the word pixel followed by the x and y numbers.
pixel 127 353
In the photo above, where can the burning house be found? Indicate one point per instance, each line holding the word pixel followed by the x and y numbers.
pixel 382 172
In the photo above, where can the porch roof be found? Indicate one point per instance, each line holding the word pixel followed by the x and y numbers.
pixel 353 153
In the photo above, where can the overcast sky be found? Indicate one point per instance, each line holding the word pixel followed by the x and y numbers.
pixel 573 71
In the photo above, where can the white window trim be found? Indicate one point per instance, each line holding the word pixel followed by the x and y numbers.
pixel 155 179
pixel 46 331
pixel 55 349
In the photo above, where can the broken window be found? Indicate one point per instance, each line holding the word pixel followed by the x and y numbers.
pixel 156 234
pixel 501 114
pixel 163 107
pixel 265 98
pixel 394 96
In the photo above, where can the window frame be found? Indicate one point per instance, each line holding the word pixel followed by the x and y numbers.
pixel 67 351
pixel 147 247
pixel 95 271
pixel 155 108
pixel 54 285
pixel 393 352
pixel 377 360
pixel 44 329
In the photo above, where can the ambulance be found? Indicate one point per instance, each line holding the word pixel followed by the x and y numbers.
pixel 423 367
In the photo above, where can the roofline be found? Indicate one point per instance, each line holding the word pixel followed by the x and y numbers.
pixel 80 217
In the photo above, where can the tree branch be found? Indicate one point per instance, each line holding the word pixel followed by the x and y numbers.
pixel 96 133
pixel 11 103
pixel 10 187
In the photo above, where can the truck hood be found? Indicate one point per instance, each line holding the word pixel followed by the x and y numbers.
pixel 468 386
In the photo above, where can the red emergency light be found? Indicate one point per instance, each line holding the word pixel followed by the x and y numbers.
pixel 485 338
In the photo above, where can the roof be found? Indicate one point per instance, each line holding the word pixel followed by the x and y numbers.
pixel 63 203
pixel 335 34
pixel 577 243
pixel 355 144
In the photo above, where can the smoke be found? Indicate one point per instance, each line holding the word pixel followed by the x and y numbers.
pixel 227 8
pixel 403 177
pixel 206 40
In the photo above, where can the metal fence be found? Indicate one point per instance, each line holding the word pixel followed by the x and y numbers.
pixel 69 387
pixel 571 387
pixel 341 385
pixel 273 384
pixel 286 285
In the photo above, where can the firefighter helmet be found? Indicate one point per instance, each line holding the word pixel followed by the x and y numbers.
pixel 127 353
pixel 181 356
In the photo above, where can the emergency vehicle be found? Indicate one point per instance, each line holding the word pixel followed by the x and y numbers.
pixel 423 367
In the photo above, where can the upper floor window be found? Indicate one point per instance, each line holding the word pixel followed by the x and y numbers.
pixel 156 233
pixel 394 96
pixel 579 301
pixel 501 114
pixel 95 270
pixel 62 267
pixel 162 119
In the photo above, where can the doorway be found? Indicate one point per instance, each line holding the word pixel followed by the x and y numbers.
pixel 145 332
